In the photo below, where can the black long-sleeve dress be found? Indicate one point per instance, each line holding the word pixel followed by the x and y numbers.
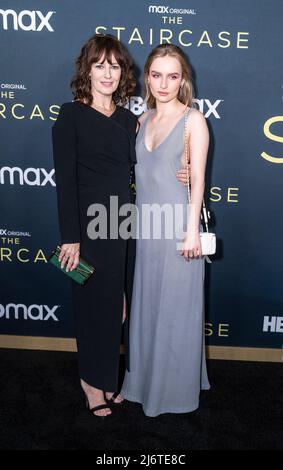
pixel 93 157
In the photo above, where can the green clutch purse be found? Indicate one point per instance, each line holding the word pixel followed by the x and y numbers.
pixel 80 274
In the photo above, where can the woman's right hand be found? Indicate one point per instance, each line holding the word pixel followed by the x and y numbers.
pixel 70 254
pixel 182 175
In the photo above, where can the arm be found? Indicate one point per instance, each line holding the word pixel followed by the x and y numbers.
pixel 65 163
pixel 198 145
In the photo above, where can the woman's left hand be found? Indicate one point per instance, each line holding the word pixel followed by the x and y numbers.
pixel 182 176
pixel 191 246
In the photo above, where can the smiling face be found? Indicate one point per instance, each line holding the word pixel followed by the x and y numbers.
pixel 165 78
pixel 105 76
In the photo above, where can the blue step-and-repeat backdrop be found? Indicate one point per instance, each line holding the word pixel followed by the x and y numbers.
pixel 235 49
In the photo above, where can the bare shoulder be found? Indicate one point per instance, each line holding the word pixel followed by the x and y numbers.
pixel 196 117
pixel 197 123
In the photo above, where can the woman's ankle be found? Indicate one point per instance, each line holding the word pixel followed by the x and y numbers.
pixel 89 388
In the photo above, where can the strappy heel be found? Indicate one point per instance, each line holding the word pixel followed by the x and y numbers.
pixel 112 399
pixel 96 408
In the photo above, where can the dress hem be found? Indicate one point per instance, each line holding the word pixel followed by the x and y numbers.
pixel 154 414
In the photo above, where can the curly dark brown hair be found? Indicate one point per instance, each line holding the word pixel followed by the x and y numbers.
pixel 97 47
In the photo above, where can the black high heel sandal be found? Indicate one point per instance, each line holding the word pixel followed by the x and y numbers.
pixel 111 400
pixel 96 408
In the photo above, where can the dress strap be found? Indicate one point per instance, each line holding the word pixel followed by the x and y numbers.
pixel 149 113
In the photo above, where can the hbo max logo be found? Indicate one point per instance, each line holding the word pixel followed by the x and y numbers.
pixel 158 9
pixel 26 20
pixel 29 176
pixel 31 312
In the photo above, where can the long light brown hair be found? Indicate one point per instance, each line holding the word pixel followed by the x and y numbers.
pixel 186 92
pixel 98 46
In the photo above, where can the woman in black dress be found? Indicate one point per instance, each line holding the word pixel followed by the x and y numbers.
pixel 94 153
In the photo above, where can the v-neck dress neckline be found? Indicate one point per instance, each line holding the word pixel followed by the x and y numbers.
pixel 168 135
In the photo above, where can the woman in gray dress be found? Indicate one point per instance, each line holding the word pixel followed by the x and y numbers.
pixel 168 365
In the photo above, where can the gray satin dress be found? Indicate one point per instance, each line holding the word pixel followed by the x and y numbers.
pixel 167 365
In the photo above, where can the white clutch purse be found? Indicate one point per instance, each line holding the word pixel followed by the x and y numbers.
pixel 207 239
pixel 208 243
